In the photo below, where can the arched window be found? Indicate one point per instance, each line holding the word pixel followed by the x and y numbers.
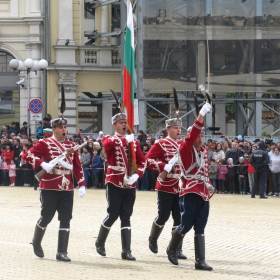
pixel 5 58
pixel 9 91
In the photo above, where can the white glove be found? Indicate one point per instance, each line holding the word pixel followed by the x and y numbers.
pixel 47 166
pixel 210 188
pixel 129 138
pixel 134 177
pixel 82 191
pixel 167 167
pixel 205 109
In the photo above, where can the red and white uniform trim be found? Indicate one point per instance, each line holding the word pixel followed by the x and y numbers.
pixel 116 149
pixel 194 165
pixel 158 156
pixel 60 178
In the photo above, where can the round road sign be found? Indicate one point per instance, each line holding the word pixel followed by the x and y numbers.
pixel 36 106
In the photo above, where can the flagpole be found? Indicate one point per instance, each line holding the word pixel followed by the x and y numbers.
pixel 123 25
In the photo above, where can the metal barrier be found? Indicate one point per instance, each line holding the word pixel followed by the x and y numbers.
pixel 206 137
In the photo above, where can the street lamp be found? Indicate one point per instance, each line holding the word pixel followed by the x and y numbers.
pixel 28 65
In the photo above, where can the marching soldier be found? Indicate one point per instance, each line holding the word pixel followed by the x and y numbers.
pixel 194 193
pixel 56 186
pixel 168 188
pixel 120 188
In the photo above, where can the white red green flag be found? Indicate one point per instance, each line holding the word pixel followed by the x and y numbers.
pixel 128 69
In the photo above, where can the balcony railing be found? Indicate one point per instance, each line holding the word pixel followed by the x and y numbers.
pixel 90 55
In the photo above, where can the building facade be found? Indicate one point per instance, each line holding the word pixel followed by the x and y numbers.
pixel 86 60
pixel 21 25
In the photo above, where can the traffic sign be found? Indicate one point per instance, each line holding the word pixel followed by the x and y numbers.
pixel 36 106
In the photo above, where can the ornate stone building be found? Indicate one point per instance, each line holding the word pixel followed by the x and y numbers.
pixel 21 25
pixel 88 67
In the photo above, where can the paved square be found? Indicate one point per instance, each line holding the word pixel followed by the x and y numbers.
pixel 242 240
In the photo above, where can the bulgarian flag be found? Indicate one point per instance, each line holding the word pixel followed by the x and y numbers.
pixel 128 68
pixel 128 74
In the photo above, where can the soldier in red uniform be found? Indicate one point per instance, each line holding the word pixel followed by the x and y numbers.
pixel 120 188
pixel 56 186
pixel 168 189
pixel 194 193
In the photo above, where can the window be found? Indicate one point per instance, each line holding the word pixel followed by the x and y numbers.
pixel 229 59
pixel 4 62
pixel 266 59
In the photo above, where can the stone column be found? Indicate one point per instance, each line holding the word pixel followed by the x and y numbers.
pixel 65 22
pixel 65 54
pixel 35 6
pixel 105 53
pixel 68 78
pixel 104 24
pixel 14 7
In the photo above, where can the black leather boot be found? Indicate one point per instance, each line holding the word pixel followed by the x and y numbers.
pixel 154 235
pixel 100 241
pixel 199 248
pixel 63 238
pixel 37 239
pixel 180 253
pixel 176 240
pixel 126 240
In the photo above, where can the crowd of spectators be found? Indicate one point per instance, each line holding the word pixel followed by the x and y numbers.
pixel 230 170
pixel 15 142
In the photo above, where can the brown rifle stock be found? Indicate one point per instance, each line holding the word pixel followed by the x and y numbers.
pixel 40 174
pixel 164 173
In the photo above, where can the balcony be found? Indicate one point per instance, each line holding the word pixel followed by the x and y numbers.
pixel 100 56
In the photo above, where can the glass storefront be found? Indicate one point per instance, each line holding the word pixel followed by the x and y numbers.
pixel 244 45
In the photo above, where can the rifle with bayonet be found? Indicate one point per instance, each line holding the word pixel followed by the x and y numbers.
pixel 60 160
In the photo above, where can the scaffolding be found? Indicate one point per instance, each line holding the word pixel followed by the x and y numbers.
pixel 244 56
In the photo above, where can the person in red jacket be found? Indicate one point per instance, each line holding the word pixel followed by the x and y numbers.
pixel 57 189
pixel 194 193
pixel 120 187
pixel 251 171
pixel 168 189
pixel 8 153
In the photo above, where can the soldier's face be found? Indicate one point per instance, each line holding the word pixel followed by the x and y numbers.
pixel 120 127
pixel 199 141
pixel 60 132
pixel 174 132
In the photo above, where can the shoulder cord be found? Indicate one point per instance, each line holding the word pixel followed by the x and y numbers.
pixel 200 162
pixel 172 144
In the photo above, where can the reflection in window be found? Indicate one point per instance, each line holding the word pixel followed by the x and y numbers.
pixel 229 59
pixel 154 58
pixel 266 59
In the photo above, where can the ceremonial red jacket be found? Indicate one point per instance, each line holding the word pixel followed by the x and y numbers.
pixel 59 178
pixel 196 179
pixel 158 156
pixel 116 150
